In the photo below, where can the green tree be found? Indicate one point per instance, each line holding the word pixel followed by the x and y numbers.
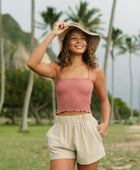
pixel 137 38
pixel 90 19
pixel 24 125
pixel 41 99
pixel 116 42
pixel 50 15
pixel 121 109
pixel 130 47
pixel 95 106
pixel 16 82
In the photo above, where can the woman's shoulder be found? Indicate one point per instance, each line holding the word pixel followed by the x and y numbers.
pixel 97 73
pixel 96 69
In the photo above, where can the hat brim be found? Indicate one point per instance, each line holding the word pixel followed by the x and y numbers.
pixel 94 37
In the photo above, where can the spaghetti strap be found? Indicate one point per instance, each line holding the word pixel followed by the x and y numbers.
pixel 60 75
pixel 88 73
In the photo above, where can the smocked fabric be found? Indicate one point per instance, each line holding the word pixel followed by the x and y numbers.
pixel 74 94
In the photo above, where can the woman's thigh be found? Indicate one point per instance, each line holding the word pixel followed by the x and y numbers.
pixel 62 164
pixel 92 166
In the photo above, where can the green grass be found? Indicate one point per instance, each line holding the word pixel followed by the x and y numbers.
pixel 28 150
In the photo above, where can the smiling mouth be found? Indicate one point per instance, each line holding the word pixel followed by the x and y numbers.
pixel 79 46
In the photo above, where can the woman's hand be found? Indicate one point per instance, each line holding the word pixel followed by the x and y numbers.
pixel 102 128
pixel 59 27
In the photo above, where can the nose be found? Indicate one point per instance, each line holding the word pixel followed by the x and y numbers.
pixel 79 39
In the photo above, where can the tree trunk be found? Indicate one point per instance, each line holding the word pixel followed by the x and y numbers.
pixel 109 37
pixel 131 86
pixel 35 111
pixel 11 60
pixel 2 63
pixel 139 106
pixel 112 97
pixel 37 118
pixel 53 91
pixel 24 125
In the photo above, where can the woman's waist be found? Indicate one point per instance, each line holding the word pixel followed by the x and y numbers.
pixel 72 113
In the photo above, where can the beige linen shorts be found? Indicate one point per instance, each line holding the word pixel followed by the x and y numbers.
pixel 75 137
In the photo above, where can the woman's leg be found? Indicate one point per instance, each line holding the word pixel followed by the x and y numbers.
pixel 92 166
pixel 62 164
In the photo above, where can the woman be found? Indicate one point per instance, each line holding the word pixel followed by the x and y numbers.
pixel 75 136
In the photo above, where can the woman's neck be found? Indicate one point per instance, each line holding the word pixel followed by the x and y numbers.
pixel 77 61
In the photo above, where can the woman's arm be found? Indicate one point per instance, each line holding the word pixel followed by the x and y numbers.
pixel 103 98
pixel 34 62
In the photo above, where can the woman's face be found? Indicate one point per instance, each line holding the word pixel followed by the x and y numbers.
pixel 77 42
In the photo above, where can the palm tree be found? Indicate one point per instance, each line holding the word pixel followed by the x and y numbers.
pixel 137 37
pixel 2 63
pixel 116 43
pixel 109 37
pixel 90 19
pixel 130 47
pixel 24 125
pixel 50 16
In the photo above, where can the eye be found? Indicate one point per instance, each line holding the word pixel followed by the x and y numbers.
pixel 83 38
pixel 73 38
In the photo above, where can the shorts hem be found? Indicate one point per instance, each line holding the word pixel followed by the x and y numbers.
pixel 62 157
pixel 98 157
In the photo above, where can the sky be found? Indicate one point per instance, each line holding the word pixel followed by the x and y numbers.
pixel 127 16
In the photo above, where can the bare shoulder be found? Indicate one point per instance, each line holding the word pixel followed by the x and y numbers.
pixel 56 67
pixel 97 73
pixel 47 70
pixel 97 69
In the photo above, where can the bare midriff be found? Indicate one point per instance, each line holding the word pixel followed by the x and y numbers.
pixel 71 113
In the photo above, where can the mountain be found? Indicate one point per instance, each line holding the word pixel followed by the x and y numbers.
pixel 13 32
pixel 16 43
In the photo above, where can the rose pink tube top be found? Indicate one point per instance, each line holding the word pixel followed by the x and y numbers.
pixel 74 94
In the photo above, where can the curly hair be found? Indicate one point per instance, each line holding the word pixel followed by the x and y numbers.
pixel 88 57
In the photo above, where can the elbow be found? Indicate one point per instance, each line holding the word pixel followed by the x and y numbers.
pixel 29 64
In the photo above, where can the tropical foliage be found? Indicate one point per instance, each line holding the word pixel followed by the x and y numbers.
pixel 130 47
pixel 16 81
pixel 89 18
pixel 116 42
pixel 41 99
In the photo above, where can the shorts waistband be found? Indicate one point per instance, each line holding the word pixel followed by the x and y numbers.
pixel 75 118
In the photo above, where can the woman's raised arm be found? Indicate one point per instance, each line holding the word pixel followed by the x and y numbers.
pixel 34 62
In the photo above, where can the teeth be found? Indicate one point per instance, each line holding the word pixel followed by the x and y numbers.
pixel 79 46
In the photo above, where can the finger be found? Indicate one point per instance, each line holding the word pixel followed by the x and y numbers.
pixel 99 127
pixel 63 26
pixel 101 134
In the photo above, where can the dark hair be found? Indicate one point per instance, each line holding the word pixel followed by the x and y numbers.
pixel 88 56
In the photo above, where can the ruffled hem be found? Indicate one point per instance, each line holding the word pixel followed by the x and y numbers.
pixel 74 110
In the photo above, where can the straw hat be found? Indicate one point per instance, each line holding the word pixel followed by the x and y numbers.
pixel 94 37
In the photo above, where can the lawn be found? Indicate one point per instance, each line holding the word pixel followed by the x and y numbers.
pixel 28 150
